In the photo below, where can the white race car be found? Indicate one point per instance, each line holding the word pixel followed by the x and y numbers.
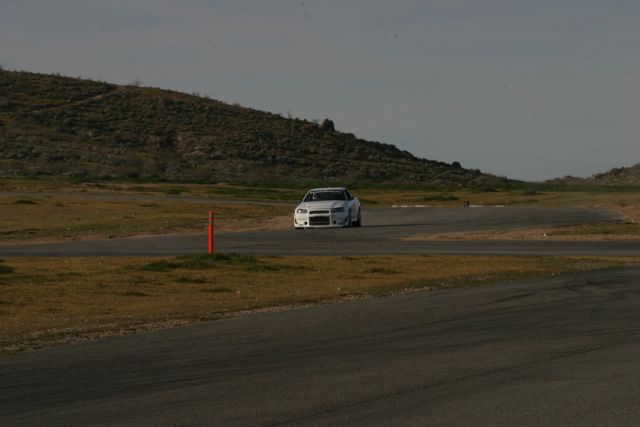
pixel 328 207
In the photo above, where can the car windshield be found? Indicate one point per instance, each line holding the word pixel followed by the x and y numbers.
pixel 322 196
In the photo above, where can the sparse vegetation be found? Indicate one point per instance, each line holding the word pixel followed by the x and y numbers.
pixel 380 270
pixel 440 198
pixel 612 229
pixel 5 269
pixel 52 301
pixel 528 193
pixel 191 279
pixel 86 210
pixel 61 126
pixel 624 176
pixel 205 262
pixel 82 217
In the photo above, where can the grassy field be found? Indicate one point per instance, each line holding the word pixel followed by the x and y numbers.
pixel 614 230
pixel 53 301
pixel 44 209
pixel 620 197
pixel 68 210
pixel 223 191
pixel 56 218
pixel 627 202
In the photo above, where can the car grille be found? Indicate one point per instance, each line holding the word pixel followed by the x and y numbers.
pixel 319 220
pixel 319 212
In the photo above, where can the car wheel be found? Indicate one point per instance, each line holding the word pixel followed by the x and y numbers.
pixel 349 221
pixel 358 222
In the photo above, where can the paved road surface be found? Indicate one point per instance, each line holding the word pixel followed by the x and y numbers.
pixel 383 233
pixel 560 351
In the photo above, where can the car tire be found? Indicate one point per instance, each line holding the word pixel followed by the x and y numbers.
pixel 358 222
pixel 349 221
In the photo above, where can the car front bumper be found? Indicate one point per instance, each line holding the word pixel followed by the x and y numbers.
pixel 320 219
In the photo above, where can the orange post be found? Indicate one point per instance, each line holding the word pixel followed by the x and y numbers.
pixel 211 233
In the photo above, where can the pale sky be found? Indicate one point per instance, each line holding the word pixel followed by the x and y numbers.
pixel 530 89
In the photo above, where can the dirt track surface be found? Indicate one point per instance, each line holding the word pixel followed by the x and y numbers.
pixel 559 351
pixel 385 232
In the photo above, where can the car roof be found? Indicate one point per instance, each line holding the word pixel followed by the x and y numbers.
pixel 328 189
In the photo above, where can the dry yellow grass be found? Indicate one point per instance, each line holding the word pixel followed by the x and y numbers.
pixel 220 190
pixel 628 203
pixel 50 301
pixel 591 232
pixel 77 216
pixel 54 218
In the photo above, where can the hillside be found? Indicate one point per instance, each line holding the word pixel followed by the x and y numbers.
pixel 618 176
pixel 54 125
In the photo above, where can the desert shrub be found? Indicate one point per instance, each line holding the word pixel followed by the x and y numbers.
pixel 5 269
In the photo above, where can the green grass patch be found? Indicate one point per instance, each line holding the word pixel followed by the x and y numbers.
pixel 133 294
pixel 512 202
pixel 32 278
pixel 258 267
pixel 440 198
pixel 369 202
pixel 528 193
pixel 191 279
pixel 202 262
pixel 25 202
pixel 382 271
pixel 174 190
pixel 482 189
pixel 5 269
pixel 162 265
pixel 218 289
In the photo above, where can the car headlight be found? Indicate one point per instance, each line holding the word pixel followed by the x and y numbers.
pixel 340 209
pixel 301 211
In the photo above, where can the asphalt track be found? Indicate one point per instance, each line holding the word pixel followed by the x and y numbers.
pixel 384 233
pixel 558 351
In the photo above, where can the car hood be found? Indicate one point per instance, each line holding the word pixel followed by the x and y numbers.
pixel 322 205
